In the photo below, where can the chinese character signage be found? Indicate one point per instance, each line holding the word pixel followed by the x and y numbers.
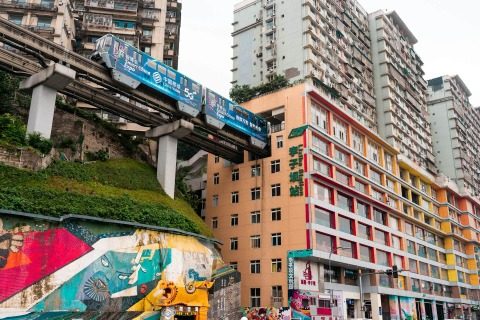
pixel 296 170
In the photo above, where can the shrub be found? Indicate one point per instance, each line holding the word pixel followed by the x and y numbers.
pixel 12 130
pixel 100 155
pixel 36 141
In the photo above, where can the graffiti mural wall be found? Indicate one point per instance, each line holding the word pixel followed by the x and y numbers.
pixel 267 313
pixel 92 268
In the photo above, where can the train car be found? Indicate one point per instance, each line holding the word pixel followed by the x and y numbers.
pixel 220 111
pixel 132 67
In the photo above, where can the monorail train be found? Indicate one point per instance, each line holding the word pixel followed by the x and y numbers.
pixel 132 67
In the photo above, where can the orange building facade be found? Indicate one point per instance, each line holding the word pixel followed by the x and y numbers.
pixel 314 226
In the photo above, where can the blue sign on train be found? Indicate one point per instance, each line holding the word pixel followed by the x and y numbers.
pixel 220 111
pixel 131 67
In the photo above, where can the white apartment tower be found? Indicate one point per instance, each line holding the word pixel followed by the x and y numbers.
pixel 455 132
pixel 400 89
pixel 325 41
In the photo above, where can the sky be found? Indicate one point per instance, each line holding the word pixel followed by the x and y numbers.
pixel 448 34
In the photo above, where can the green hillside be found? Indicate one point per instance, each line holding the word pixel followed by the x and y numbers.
pixel 116 189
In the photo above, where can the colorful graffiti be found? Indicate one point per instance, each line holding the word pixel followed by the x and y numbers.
pixel 407 308
pixel 267 313
pixel 79 266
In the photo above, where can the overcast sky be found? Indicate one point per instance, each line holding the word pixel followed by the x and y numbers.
pixel 448 34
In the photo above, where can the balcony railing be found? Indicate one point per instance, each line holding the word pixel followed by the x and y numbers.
pixel 277 127
pixel 48 6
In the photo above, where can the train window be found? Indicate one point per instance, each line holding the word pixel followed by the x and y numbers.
pixel 161 69
pixel 152 64
pixel 195 87
pixel 171 74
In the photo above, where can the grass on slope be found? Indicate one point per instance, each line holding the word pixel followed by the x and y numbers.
pixel 116 189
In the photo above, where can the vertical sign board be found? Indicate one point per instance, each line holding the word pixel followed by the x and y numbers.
pixel 224 297
pixel 296 170
pixel 292 267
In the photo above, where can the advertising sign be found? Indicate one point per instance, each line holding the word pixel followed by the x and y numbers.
pixel 306 275
pixel 151 72
pixel 220 111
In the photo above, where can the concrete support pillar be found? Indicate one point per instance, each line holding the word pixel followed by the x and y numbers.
pixel 44 86
pixel 168 136
pixel 167 163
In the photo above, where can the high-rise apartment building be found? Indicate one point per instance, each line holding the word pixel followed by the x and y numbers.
pixel 455 131
pixel 332 208
pixel 325 40
pixel 400 89
pixel 151 25
pixel 53 19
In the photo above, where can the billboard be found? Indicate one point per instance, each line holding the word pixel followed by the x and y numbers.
pixel 128 63
pixel 220 111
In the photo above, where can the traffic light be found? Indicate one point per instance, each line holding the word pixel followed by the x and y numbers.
pixel 392 272
pixel 395 271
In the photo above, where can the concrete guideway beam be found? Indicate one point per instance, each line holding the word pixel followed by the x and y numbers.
pixel 44 86
pixel 168 136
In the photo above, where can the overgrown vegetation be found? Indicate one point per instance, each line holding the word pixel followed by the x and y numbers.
pixel 244 93
pixel 115 189
pixel 13 133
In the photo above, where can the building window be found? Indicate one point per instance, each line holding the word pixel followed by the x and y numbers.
pixel 216 178
pixel 319 117
pixel 235 174
pixel 346 248
pixel 345 225
pixel 362 210
pixel 235 197
pixel 276 191
pixel 375 176
pixel 277 265
pixel 344 202
pixel 15 18
pixel 411 247
pixel 364 231
pixel 44 22
pixel 422 251
pixel 217 159
pixel 365 253
pixel 382 258
pixel 255 241
pixel 423 268
pixel 234 265
pixel 412 264
pixel 276 239
pixel 276 214
pixel 255 193
pixel 256 170
pixel 342 178
pixel 214 223
pixel 324 242
pixel 279 142
pixel 393 222
pixel 381 237
pixel 359 167
pixel 322 167
pixel 380 217
pixel 254 266
pixel 255 297
pixel 233 243
pixel 358 143
pixel 396 242
pixel 389 162
pixel 341 157
pixel 322 193
pixel 409 228
pixel 255 217
pixel 373 153
pixel 234 220
pixel 275 166
pixel 339 129
pixel 319 145
pixel 323 217
pixel 215 200
pixel 277 293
